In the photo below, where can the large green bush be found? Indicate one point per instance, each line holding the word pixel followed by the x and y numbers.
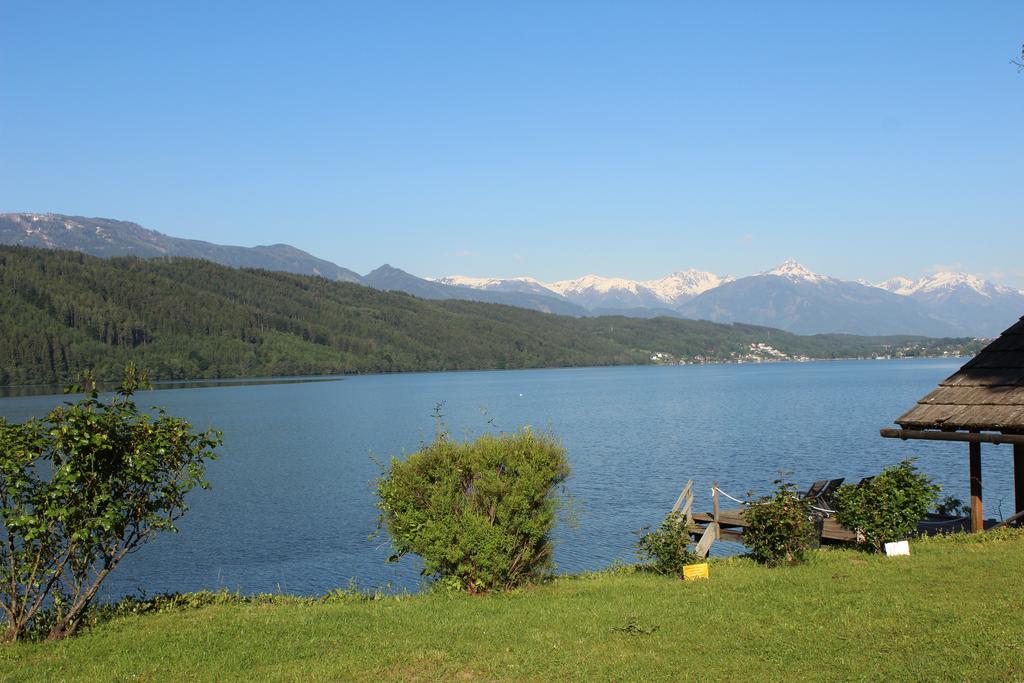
pixel 479 513
pixel 779 527
pixel 80 489
pixel 887 507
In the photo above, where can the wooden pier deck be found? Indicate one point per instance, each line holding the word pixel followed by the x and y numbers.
pixel 728 525
pixel 731 524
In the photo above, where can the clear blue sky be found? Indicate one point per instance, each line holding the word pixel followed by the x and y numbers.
pixel 547 139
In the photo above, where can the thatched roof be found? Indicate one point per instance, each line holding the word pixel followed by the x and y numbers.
pixel 986 394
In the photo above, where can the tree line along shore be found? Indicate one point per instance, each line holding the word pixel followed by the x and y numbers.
pixel 65 312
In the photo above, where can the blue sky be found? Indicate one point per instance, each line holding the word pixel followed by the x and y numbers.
pixel 548 139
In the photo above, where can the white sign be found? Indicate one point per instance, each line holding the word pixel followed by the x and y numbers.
pixel 897 548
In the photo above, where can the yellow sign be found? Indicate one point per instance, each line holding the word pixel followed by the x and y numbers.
pixel 692 572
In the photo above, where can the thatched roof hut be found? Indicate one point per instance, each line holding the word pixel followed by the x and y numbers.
pixel 983 402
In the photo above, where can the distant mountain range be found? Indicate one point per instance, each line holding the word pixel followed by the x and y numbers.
pixel 789 296
pixel 795 299
pixel 596 292
pixel 62 312
pixel 390 279
pixel 104 237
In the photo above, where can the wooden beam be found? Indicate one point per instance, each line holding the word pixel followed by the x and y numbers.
pixel 977 510
pixel 709 536
pixel 714 501
pixel 1017 519
pixel 935 435
pixel 1018 476
pixel 731 523
pixel 682 496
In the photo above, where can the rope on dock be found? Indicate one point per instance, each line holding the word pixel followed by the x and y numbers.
pixel 741 502
pixel 826 511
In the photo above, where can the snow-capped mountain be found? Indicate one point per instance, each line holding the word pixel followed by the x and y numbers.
pixel 946 281
pixel 791 270
pixel 389 278
pixel 965 300
pixel 792 297
pixel 605 293
pixel 685 284
pixel 526 285
pixel 594 291
pixel 903 286
pixel 797 299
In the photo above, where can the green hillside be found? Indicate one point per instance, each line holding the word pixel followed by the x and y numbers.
pixel 63 312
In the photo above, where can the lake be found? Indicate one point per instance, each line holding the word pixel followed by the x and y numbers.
pixel 291 503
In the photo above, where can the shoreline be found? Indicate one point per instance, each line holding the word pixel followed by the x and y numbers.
pixel 29 390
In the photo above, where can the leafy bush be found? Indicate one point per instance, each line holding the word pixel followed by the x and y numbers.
pixel 479 513
pixel 951 506
pixel 79 490
pixel 666 550
pixel 887 507
pixel 779 527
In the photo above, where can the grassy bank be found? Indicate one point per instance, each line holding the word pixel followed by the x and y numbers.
pixel 953 610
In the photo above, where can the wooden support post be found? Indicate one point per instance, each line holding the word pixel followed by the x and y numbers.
pixel 688 505
pixel 1018 476
pixel 714 501
pixel 977 511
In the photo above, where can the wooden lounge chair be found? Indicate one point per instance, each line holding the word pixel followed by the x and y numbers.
pixel 815 489
pixel 820 495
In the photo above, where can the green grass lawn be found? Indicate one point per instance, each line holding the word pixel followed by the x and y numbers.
pixel 953 610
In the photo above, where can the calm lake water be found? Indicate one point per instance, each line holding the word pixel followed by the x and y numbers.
pixel 291 503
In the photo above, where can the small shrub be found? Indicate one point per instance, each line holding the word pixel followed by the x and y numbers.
pixel 888 507
pixel 778 527
pixel 479 513
pixel 666 549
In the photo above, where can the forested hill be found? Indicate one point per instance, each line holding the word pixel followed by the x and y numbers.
pixel 63 312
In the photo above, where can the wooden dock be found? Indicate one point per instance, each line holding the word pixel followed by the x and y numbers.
pixel 728 525
pixel 731 524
